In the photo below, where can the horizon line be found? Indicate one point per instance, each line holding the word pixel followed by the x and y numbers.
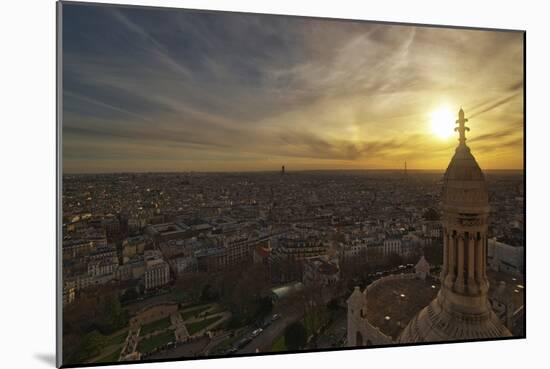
pixel 286 171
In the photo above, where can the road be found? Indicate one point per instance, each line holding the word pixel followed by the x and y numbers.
pixel 190 349
pixel 290 314
pixel 264 340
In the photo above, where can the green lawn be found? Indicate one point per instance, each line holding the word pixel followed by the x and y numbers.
pixel 151 343
pixel 194 312
pixel 279 345
pixel 195 327
pixel 116 339
pixel 179 296
pixel 95 345
pixel 112 357
pixel 157 325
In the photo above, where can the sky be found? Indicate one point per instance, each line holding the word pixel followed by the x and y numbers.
pixel 158 90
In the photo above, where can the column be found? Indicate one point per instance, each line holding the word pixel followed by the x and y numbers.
pixel 472 286
pixel 484 256
pixel 479 259
pixel 451 274
pixel 445 251
pixel 459 285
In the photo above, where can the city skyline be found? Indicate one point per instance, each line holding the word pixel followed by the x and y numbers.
pixel 236 184
pixel 151 90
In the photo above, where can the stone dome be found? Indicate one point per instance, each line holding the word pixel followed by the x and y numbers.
pixel 464 186
pixel 434 323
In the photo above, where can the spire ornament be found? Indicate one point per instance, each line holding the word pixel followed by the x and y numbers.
pixel 461 121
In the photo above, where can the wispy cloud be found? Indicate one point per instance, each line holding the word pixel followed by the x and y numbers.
pixel 493 105
pixel 230 90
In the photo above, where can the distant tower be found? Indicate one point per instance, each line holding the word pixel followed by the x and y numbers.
pixel 405 171
pixel 461 310
pixel 283 170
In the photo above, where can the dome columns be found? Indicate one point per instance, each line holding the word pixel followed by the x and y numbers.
pixel 464 258
pixel 472 284
pixel 459 282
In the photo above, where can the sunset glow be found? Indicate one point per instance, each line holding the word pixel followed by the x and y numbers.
pixel 190 91
pixel 442 121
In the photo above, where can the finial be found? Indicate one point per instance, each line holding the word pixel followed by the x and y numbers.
pixel 461 121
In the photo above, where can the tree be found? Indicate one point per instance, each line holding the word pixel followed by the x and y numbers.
pixel 244 294
pixel 191 285
pixel 129 295
pixel 208 293
pixel 91 346
pixel 113 317
pixel 333 305
pixel 295 336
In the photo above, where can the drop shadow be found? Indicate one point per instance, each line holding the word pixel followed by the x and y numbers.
pixel 46 358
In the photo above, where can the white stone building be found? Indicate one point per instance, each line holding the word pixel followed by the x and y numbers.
pixel 157 271
pixel 392 246
pixel 353 250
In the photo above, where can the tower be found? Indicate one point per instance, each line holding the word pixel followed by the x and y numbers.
pixel 283 170
pixel 357 306
pixel 461 309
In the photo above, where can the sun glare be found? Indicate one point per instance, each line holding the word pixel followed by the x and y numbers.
pixel 443 122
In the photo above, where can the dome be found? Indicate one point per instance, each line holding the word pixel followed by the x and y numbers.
pixel 434 323
pixel 463 166
pixel 464 186
pixel 461 310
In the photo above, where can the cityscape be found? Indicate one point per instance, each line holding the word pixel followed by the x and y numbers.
pixel 237 184
pixel 179 265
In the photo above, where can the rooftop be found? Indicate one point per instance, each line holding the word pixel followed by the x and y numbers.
pixel 322 266
pixel 513 291
pixel 400 300
pixel 167 228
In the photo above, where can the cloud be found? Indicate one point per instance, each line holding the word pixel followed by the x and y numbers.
pixel 495 135
pixel 227 88
pixel 494 105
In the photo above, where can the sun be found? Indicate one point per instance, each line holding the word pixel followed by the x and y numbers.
pixel 443 122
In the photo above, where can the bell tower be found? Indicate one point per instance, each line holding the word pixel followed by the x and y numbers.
pixel 461 309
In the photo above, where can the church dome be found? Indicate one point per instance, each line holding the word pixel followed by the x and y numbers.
pixel 461 310
pixel 463 166
pixel 464 186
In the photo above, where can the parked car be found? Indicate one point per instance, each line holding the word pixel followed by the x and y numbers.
pixel 232 350
pixel 242 343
